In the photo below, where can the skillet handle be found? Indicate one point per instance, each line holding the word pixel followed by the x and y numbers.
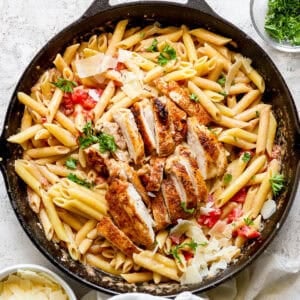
pixel 103 5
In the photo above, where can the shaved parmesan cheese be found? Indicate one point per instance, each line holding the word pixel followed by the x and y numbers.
pixel 94 94
pixel 124 55
pixel 95 64
pixel 132 86
pixel 268 209
pixel 191 276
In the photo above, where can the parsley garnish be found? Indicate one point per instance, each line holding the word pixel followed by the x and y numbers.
pixel 153 46
pixel 283 20
pixel 194 97
pixel 221 80
pixel 65 85
pixel 167 54
pixel 71 163
pixel 187 210
pixel 246 157
pixel 79 181
pixel 227 178
pixel 89 137
pixel 277 183
pixel 107 143
pixel 223 94
pixel 257 113
pixel 192 245
pixel 248 221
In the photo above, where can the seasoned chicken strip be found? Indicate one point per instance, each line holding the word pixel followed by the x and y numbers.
pixel 129 212
pixel 178 168
pixel 178 120
pixel 173 200
pixel 160 212
pixel 153 174
pixel 209 153
pixel 182 99
pixel 144 117
pixel 118 238
pixel 134 141
pixel 164 140
pixel 192 167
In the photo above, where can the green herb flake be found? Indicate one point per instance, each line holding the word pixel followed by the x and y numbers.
pixel 194 97
pixel 192 245
pixel 248 221
pixel 65 85
pixel 257 114
pixel 223 94
pixel 185 209
pixel 107 143
pixel 282 21
pixel 79 181
pixel 227 178
pixel 246 157
pixel 221 80
pixel 277 182
pixel 71 163
pixel 153 46
pixel 168 53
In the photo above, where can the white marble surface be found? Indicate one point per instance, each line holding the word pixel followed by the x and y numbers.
pixel 25 26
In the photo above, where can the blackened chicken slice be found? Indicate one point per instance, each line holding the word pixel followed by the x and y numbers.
pixel 118 238
pixel 144 116
pixel 178 120
pixel 134 141
pixel 209 153
pixel 163 132
pixel 182 99
pixel 160 212
pixel 129 212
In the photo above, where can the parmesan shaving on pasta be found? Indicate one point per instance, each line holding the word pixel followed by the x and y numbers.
pixel 95 64
pixel 132 86
pixel 27 284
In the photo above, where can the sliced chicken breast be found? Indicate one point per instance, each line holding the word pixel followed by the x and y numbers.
pixel 165 144
pixel 144 117
pixel 118 238
pixel 152 174
pixel 192 168
pixel 173 200
pixel 129 212
pixel 178 121
pixel 182 99
pixel 160 212
pixel 209 153
pixel 134 141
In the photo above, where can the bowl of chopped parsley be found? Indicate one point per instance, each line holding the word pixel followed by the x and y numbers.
pixel 278 23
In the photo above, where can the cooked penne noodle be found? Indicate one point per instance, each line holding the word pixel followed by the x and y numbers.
pixel 245 101
pixel 25 135
pixel 138 277
pixel 250 113
pixel 54 104
pixel 210 37
pixel 34 200
pixel 100 263
pixel 189 45
pixel 70 53
pixel 271 134
pixel 204 83
pixel 70 219
pixel 46 224
pixel 251 194
pixel 117 36
pixel 263 128
pixel 47 151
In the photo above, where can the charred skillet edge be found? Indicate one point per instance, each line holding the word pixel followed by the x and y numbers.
pixel 103 5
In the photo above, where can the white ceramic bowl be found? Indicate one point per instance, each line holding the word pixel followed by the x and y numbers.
pixel 13 269
pixel 258 11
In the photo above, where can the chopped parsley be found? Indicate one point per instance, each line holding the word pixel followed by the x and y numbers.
pixel 257 114
pixel 221 80
pixel 65 85
pixel 223 94
pixel 168 53
pixel 227 178
pixel 246 157
pixel 248 221
pixel 282 21
pixel 277 182
pixel 192 245
pixel 79 181
pixel 71 163
pixel 153 46
pixel 194 97
pixel 106 141
pixel 185 209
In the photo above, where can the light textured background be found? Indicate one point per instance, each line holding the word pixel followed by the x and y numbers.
pixel 25 26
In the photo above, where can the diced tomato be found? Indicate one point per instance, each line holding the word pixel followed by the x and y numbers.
pixel 211 219
pixel 247 232
pixel 100 91
pixel 176 239
pixel 120 66
pixel 89 103
pixel 234 214
pixel 240 196
pixel 79 96
pixel 210 198
pixel 187 255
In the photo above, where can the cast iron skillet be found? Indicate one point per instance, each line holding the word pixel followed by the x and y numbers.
pixel 100 16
